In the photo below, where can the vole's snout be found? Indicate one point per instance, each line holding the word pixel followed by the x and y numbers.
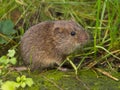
pixel 87 37
pixel 84 37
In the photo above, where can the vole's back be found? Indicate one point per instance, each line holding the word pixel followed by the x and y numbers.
pixel 48 43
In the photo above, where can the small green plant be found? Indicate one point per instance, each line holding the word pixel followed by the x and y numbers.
pixel 21 82
pixel 6 61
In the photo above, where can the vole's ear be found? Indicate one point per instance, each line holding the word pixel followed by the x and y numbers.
pixel 57 33
pixel 58 30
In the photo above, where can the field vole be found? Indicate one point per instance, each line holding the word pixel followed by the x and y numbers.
pixel 49 42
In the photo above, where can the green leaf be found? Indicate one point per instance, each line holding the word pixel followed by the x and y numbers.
pixel 23 78
pixel 4 60
pixel 11 53
pixel 13 60
pixel 9 85
pixel 6 27
pixel 23 84
pixel 2 41
pixel 18 79
pixel 29 82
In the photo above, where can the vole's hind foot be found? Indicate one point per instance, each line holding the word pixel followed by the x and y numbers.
pixel 21 68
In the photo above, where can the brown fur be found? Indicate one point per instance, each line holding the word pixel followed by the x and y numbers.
pixel 49 42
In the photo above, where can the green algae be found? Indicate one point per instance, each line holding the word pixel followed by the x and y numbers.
pixel 57 80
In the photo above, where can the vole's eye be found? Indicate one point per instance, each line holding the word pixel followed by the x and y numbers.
pixel 73 33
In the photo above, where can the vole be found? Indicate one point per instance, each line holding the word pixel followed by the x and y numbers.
pixel 49 42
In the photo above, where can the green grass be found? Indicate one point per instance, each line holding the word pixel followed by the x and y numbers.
pixel 100 17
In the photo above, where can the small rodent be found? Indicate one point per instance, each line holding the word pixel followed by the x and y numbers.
pixel 49 42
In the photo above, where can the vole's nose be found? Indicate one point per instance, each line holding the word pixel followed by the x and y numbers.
pixel 84 37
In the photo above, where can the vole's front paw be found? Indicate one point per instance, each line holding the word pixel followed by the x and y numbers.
pixel 63 69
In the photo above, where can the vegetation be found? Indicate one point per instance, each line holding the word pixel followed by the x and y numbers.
pixel 99 17
pixel 20 82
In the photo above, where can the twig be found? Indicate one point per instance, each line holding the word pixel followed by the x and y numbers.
pixel 106 74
